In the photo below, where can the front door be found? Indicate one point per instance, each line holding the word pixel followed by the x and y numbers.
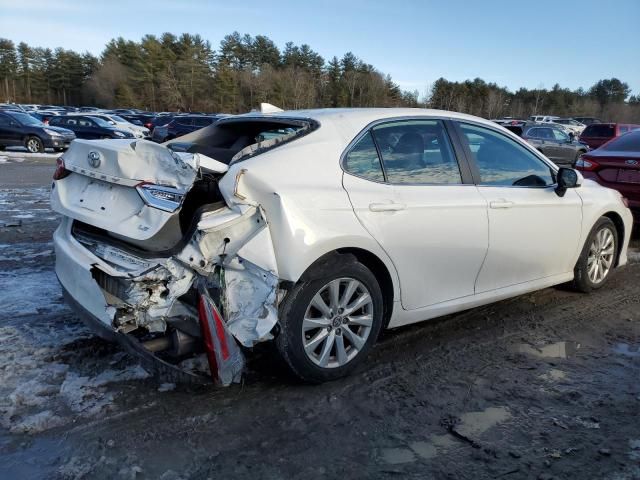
pixel 407 190
pixel 533 233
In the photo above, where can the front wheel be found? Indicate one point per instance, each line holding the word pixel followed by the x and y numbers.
pixel 598 257
pixel 34 145
pixel 330 321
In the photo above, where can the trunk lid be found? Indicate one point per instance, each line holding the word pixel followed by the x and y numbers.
pixel 132 189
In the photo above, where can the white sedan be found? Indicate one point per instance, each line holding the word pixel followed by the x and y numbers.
pixel 316 229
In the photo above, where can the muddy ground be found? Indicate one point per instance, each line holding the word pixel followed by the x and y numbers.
pixel 545 385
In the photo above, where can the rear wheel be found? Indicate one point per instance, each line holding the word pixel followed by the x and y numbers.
pixel 598 257
pixel 330 321
pixel 34 145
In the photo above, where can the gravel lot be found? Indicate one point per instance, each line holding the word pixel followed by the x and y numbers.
pixel 545 385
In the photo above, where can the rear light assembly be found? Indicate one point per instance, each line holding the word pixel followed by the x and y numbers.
pixel 161 197
pixel 588 165
pixel 60 172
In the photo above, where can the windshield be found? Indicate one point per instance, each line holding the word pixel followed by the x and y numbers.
pixel 26 119
pixel 626 143
pixel 118 119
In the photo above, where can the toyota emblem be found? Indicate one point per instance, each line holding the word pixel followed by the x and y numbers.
pixel 632 162
pixel 94 159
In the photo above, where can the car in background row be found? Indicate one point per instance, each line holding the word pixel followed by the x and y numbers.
pixel 598 134
pixel 551 140
pixel 88 127
pixel 44 115
pixel 21 129
pixel 570 125
pixel 119 123
pixel 587 120
pixel 616 164
pixel 181 125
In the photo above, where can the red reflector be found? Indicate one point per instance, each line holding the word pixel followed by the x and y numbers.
pixel 60 172
pixel 625 201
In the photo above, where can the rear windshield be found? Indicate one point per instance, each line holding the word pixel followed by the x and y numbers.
pixel 599 130
pixel 626 143
pixel 234 140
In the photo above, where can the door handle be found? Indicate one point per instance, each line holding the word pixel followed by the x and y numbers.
pixel 501 204
pixel 386 207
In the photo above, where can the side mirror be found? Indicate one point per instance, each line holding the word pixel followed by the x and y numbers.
pixel 567 178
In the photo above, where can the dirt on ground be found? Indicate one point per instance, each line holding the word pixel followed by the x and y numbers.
pixel 542 386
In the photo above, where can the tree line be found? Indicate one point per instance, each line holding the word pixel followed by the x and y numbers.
pixel 186 73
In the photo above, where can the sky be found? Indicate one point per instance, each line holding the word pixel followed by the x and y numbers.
pixel 512 43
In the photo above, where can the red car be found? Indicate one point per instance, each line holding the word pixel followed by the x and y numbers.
pixel 616 165
pixel 598 134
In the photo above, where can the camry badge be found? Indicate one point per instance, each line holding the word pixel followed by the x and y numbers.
pixel 632 162
pixel 94 159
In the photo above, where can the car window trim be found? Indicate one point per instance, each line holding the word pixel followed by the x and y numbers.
pixel 474 167
pixel 465 173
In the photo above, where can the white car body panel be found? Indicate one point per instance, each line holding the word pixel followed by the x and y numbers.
pixel 446 251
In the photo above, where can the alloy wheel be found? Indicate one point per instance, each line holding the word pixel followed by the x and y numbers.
pixel 33 145
pixel 337 322
pixel 600 257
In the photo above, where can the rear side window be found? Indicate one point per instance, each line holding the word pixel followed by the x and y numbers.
pixel 502 161
pixel 599 130
pixel 56 121
pixel 363 161
pixel 417 152
pixel 626 143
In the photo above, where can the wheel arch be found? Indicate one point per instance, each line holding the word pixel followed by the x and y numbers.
pixel 619 224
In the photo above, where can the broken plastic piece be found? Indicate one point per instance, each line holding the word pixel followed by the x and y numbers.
pixel 226 361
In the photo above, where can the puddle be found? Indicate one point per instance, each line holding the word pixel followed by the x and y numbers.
pixel 474 424
pixel 553 375
pixel 553 350
pixel 436 445
pixel 395 456
pixel 627 349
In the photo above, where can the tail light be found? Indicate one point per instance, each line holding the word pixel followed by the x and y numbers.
pixel 148 125
pixel 164 198
pixel 61 172
pixel 588 165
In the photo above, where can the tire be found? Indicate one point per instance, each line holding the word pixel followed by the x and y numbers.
pixel 600 248
pixel 323 360
pixel 34 145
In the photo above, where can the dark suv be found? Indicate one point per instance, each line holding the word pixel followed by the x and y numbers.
pixel 552 141
pixel 89 128
pixel 181 125
pixel 21 129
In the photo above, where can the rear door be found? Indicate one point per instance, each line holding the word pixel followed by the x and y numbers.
pixel 410 192
pixel 533 233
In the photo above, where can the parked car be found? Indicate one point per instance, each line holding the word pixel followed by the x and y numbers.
pixel 21 129
pixel 120 123
pixel 88 127
pixel 181 125
pixel 616 164
pixel 598 134
pixel 552 140
pixel 144 120
pixel 570 125
pixel 587 120
pixel 347 222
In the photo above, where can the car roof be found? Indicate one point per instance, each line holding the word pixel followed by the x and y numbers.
pixel 350 121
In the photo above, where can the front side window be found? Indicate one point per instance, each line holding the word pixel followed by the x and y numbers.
pixel 362 160
pixel 502 161
pixel 417 152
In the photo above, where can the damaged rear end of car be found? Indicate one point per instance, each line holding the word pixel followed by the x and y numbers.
pixel 151 253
